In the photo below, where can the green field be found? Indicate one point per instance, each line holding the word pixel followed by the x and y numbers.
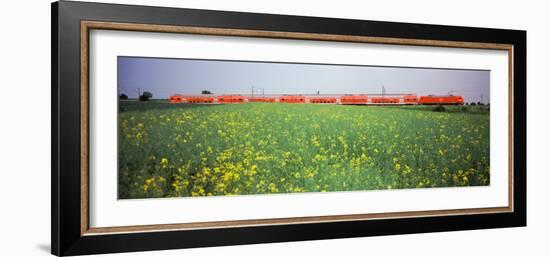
pixel 171 150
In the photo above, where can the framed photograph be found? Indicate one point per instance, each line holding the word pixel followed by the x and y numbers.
pixel 178 128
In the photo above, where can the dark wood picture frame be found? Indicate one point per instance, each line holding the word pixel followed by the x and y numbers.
pixel 71 23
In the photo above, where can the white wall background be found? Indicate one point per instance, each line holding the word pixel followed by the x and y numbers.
pixel 25 127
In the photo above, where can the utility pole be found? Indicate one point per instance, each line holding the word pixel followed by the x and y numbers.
pixel 383 91
pixel 481 97
pixel 139 92
pixel 252 92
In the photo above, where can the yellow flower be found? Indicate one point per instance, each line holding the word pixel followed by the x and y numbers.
pixel 149 183
pixel 407 169
pixel 273 188
pixel 397 166
pixel 164 162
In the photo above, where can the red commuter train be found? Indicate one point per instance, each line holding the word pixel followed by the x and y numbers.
pixel 351 99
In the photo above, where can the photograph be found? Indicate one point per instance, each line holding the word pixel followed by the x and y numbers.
pixel 202 127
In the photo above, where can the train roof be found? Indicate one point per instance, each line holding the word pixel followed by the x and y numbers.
pixel 442 96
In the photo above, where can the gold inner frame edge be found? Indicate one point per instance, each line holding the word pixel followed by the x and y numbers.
pixel 86 26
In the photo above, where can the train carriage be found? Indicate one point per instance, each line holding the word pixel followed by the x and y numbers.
pixel 386 100
pixel 262 99
pixel 322 100
pixel 354 99
pixel 292 99
pixel 230 99
pixel 200 99
pixel 410 99
pixel 176 99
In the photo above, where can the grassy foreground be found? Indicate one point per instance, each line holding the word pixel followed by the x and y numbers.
pixel 168 150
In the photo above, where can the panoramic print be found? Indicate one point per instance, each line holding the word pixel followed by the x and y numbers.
pixel 191 127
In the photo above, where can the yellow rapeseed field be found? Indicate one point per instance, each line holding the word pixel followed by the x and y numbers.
pixel 258 148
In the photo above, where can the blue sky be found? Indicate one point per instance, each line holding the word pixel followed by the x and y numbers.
pixel 164 77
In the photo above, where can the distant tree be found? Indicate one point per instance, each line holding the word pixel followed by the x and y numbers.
pixel 472 103
pixel 480 103
pixel 145 96
pixel 123 97
pixel 439 108
pixel 206 92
